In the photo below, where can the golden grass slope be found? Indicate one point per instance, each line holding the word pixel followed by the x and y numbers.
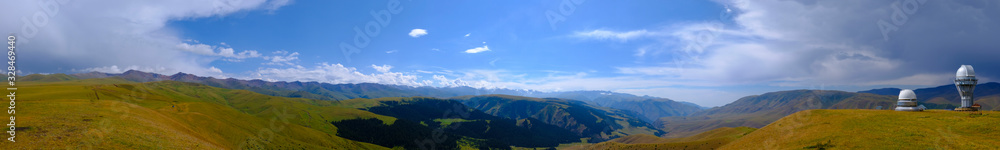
pixel 877 129
pixel 110 113
pixel 707 140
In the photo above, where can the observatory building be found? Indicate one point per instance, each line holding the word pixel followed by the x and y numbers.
pixel 965 81
pixel 907 101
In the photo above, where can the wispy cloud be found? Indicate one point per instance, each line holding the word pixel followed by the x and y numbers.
pixel 391 51
pixel 282 58
pixel 417 32
pixel 494 61
pixel 612 35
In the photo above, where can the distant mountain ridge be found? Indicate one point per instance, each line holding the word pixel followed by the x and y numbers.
pixel 649 107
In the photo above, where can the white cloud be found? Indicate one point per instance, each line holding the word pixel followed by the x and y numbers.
pixel 612 35
pixel 82 35
pixel 382 69
pixel 338 74
pixel 200 49
pixel 282 58
pixel 418 32
pixel 215 70
pixel 467 34
pixel 478 49
pixel 391 51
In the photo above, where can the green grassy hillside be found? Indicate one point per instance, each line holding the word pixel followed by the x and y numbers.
pixel 877 129
pixel 707 140
pixel 110 113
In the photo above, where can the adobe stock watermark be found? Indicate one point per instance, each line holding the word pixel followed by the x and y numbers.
pixel 900 15
pixel 565 9
pixel 11 77
pixel 363 36
pixel 39 19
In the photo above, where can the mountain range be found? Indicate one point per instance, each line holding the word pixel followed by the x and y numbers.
pixel 651 108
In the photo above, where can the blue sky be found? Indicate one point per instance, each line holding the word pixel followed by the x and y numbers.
pixel 518 34
pixel 706 52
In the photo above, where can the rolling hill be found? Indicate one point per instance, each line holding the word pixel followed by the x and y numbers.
pixel 876 129
pixel 759 110
pixel 120 114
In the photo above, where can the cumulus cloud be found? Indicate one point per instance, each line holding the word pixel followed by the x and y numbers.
pixel 382 69
pixel 77 35
pixel 338 74
pixel 417 32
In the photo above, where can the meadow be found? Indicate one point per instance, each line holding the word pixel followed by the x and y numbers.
pixel 112 113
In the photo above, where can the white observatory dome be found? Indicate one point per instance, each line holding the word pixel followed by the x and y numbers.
pixel 907 94
pixel 965 71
